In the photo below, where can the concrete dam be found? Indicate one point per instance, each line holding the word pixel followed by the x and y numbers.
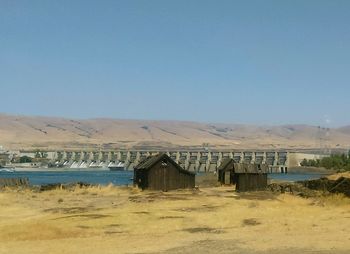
pixel 199 161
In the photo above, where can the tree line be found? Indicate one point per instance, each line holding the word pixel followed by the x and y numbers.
pixel 336 161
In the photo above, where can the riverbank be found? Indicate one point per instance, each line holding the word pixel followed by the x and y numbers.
pixel 209 220
pixel 316 170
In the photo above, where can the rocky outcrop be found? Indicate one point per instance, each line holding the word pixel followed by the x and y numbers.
pixel 313 188
pixel 341 185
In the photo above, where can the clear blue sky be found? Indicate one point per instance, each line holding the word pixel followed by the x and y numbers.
pixel 259 62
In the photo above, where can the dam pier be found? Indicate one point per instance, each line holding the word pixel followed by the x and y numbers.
pixel 196 161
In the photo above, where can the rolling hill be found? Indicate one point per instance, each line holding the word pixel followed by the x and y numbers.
pixel 26 132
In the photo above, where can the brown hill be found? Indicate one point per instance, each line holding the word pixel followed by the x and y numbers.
pixel 345 130
pixel 18 132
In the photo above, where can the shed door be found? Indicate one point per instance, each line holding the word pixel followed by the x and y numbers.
pixel 165 180
pixel 160 181
pixel 227 177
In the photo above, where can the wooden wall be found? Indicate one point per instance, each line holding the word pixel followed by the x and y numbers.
pixel 164 178
pixel 251 182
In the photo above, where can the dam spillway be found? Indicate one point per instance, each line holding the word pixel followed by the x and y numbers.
pixel 197 161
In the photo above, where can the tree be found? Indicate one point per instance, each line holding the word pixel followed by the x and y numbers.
pixel 304 163
pixel 25 159
pixel 335 161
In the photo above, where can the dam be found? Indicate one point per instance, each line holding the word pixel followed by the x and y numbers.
pixel 197 161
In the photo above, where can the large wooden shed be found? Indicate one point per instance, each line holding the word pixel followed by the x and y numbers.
pixel 246 177
pixel 160 172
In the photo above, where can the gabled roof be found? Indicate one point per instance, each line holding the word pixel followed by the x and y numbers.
pixel 243 167
pixel 149 161
pixel 225 163
pixel 152 160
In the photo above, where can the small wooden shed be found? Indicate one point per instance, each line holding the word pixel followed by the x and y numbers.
pixel 160 172
pixel 246 177
pixel 250 177
pixel 225 171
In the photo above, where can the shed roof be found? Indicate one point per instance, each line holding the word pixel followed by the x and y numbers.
pixel 225 163
pixel 152 160
pixel 250 168
pixel 149 161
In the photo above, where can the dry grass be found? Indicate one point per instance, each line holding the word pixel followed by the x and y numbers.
pixel 338 175
pixel 334 200
pixel 126 220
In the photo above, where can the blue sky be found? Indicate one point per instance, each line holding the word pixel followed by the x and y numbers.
pixel 257 62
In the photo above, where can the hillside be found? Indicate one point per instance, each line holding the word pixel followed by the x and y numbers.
pixel 18 132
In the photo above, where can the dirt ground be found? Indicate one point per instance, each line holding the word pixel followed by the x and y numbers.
pixel 209 220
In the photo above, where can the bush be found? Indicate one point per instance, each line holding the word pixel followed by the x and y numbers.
pixel 25 159
pixel 336 161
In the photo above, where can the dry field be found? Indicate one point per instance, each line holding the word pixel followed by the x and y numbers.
pixel 210 220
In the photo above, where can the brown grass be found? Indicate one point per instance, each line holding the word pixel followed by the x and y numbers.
pixel 338 175
pixel 105 220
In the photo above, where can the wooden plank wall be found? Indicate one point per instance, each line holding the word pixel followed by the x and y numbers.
pixel 169 178
pixel 251 182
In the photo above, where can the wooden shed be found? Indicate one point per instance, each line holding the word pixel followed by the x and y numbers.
pixel 225 171
pixel 246 177
pixel 160 172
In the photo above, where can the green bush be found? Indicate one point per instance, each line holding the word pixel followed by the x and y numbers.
pixel 336 161
pixel 25 159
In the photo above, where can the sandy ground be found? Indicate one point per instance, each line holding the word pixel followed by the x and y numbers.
pixel 209 220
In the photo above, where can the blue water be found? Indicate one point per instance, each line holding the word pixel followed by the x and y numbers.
pixel 102 177
pixel 295 176
pixel 105 177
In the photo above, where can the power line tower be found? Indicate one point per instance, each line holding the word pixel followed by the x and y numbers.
pixel 328 141
pixel 323 137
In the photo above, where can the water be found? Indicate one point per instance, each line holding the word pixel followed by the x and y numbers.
pixel 104 177
pixel 295 176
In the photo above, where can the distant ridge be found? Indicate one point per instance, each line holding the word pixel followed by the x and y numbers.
pixel 26 132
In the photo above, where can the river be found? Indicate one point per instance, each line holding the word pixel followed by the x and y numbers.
pixel 104 177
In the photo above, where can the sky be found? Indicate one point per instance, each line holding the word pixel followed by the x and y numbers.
pixel 255 62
